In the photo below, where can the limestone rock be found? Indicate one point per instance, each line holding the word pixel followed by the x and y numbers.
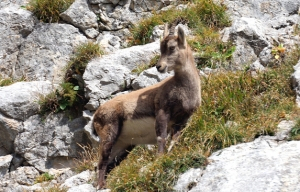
pixel 80 15
pixel 19 100
pixel 295 81
pixel 258 26
pixel 4 164
pixel 109 43
pixel 147 5
pixel 9 129
pixel 89 129
pixel 149 77
pixel 16 3
pixel 45 52
pixel 261 165
pixel 15 25
pixel 52 143
pixel 84 187
pixel 188 180
pixel 79 179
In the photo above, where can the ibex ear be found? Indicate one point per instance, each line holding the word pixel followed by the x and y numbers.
pixel 181 37
pixel 166 30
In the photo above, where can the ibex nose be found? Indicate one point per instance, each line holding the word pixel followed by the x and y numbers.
pixel 158 66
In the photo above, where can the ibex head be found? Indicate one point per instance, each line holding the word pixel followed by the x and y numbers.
pixel 172 50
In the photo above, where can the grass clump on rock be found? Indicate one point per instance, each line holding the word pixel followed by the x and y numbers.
pixel 48 10
pixel 70 93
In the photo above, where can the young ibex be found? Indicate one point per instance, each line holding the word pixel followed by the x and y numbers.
pixel 147 115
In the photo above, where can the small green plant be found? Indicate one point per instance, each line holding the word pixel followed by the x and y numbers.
pixel 6 81
pixel 10 80
pixel 44 177
pixel 48 10
pixel 295 132
pixel 59 99
pixel 70 93
pixel 278 52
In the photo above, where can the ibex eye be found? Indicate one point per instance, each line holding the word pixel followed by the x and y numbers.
pixel 172 48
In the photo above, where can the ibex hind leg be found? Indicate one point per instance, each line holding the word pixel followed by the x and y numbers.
pixel 108 136
pixel 121 155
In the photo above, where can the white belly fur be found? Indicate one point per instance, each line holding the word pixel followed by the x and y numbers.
pixel 139 131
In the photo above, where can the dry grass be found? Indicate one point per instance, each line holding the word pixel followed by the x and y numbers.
pixel 87 159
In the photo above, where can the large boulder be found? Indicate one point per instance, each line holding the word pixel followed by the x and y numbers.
pixel 257 166
pixel 19 101
pixel 259 26
pixel 82 17
pixel 45 52
pixel 15 25
pixel 268 163
pixel 4 164
pixel 295 80
pixel 19 180
pixel 50 143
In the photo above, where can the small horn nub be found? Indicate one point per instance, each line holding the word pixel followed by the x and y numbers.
pixel 166 30
pixel 172 29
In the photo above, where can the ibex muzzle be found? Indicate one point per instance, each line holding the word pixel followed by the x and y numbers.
pixel 146 116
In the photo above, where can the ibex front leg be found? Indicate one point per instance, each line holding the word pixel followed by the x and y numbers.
pixel 161 126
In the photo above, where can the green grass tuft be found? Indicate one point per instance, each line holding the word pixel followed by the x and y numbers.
pixel 205 19
pixel 295 132
pixel 44 177
pixel 48 10
pixel 10 80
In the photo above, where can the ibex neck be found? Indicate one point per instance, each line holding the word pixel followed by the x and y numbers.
pixel 188 74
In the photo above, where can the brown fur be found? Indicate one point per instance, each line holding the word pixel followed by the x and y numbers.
pixel 146 116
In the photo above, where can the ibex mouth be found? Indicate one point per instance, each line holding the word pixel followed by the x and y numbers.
pixel 162 69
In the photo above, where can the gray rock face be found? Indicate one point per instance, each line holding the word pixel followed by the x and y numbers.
pixel 295 80
pixel 112 73
pixel 7 3
pixel 45 52
pixel 108 42
pixel 15 25
pixel 4 164
pixel 265 10
pixel 149 77
pixel 19 100
pixel 148 5
pixel 258 26
pixel 76 180
pixel 188 180
pixel 261 165
pixel 9 129
pixel 50 144
pixel 19 180
pixel 80 15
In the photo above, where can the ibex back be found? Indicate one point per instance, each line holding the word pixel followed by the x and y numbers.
pixel 146 116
